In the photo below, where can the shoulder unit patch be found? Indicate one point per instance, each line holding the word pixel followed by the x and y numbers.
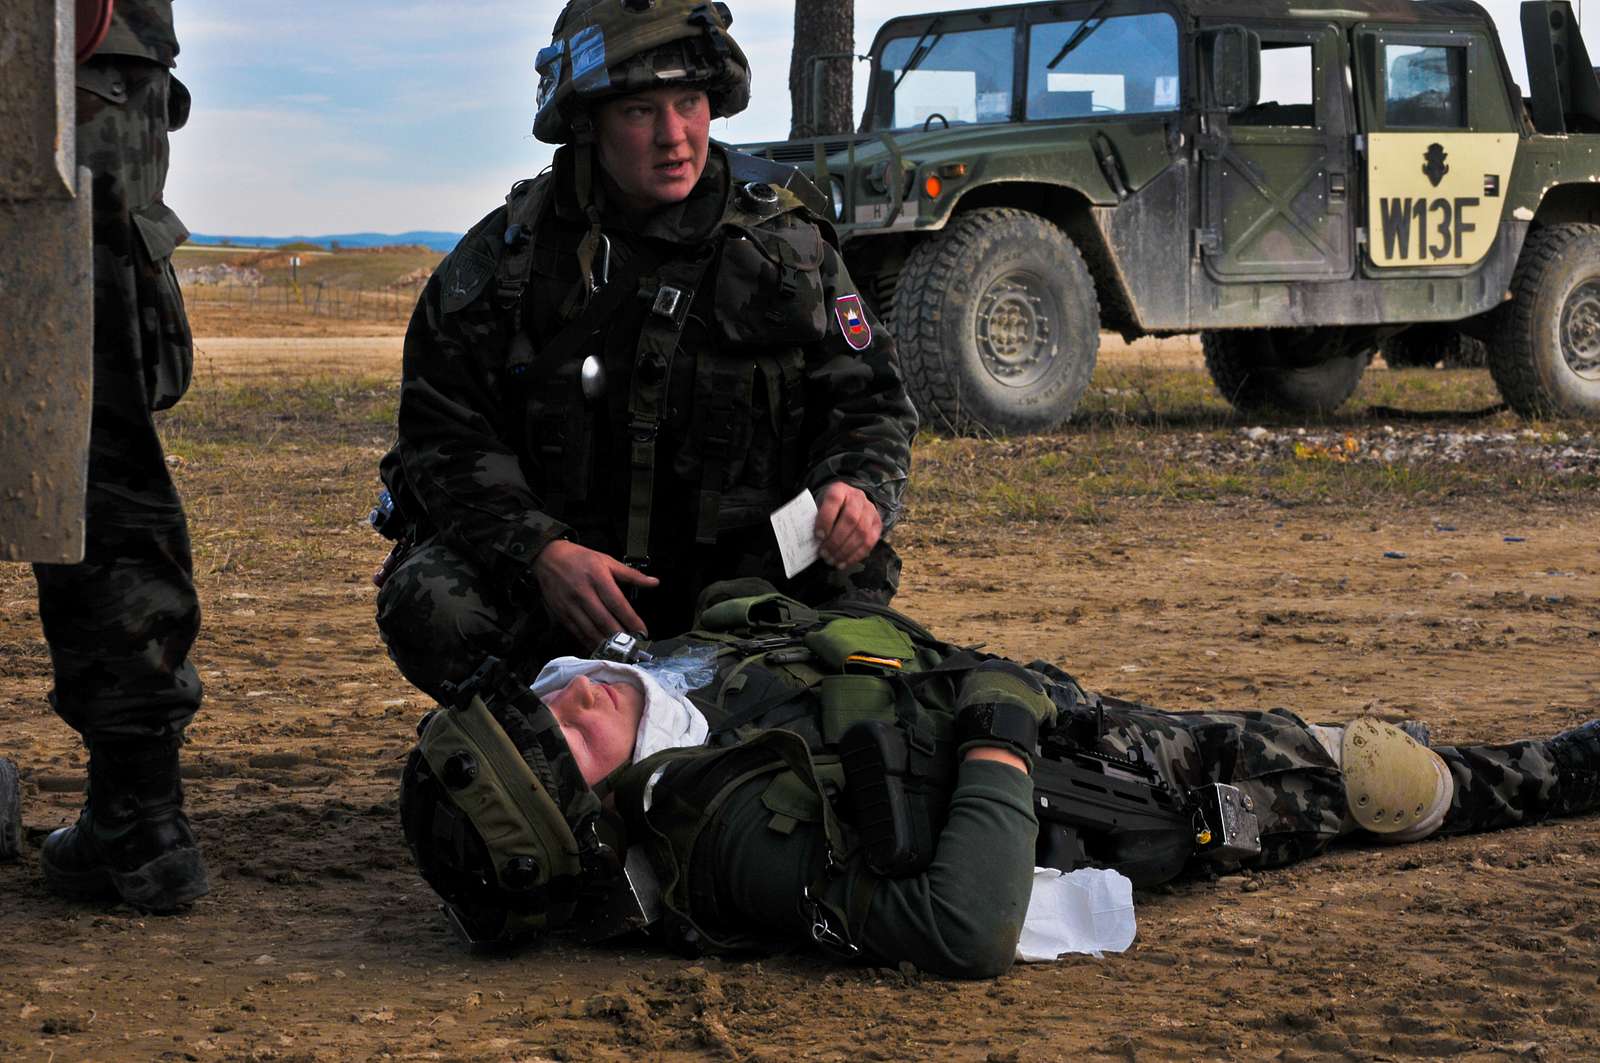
pixel 852 318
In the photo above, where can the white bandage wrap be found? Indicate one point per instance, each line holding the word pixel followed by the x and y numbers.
pixel 669 722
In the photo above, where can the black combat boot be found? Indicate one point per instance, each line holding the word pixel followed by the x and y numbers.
pixel 132 841
pixel 1577 756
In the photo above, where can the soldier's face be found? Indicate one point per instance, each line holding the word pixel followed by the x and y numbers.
pixel 653 145
pixel 600 721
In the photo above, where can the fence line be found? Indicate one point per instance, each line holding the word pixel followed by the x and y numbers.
pixel 314 300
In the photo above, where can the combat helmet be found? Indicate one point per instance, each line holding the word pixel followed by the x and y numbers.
pixel 605 48
pixel 498 817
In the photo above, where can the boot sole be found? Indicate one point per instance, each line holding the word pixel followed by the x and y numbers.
pixel 166 884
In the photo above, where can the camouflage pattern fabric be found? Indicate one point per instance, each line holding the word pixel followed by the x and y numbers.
pixel 1499 786
pixel 1299 794
pixel 495 465
pixel 121 623
pixel 142 28
pixel 1270 756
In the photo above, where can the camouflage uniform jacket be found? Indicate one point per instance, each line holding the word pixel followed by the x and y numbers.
pixel 142 28
pixel 779 381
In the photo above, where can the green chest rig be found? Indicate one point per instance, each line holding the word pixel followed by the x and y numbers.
pixel 792 683
pixel 662 281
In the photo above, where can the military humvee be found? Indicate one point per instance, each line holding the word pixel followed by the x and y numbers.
pixel 1297 181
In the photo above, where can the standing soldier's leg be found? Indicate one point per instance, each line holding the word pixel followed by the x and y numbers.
pixel 121 623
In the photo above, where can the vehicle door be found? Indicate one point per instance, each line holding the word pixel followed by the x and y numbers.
pixel 1275 177
pixel 1440 143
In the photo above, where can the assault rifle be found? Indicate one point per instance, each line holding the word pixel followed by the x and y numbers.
pixel 1100 810
pixel 1095 809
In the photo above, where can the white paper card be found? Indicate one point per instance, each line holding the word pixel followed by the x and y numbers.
pixel 795 525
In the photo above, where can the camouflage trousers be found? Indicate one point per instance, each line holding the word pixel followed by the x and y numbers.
pixel 1299 793
pixel 441 615
pixel 120 624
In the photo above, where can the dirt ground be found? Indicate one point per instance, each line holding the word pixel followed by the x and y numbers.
pixel 319 942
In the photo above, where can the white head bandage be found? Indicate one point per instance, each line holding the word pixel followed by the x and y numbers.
pixel 669 720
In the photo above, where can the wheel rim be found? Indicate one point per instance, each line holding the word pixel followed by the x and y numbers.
pixel 1016 331
pixel 1580 331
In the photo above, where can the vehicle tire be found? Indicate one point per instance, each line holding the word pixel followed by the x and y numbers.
pixel 997 323
pixel 1545 355
pixel 1293 370
pixel 1425 346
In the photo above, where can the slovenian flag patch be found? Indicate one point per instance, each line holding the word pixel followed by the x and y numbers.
pixel 853 321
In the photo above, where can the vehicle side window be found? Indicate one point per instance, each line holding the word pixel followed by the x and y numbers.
pixel 1425 87
pixel 1288 88
pixel 964 76
pixel 1123 65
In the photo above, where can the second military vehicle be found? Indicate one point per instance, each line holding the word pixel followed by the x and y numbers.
pixel 1297 180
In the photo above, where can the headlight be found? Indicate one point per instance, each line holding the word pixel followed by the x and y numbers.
pixel 837 184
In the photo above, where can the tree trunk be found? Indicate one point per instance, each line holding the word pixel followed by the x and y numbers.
pixel 822 27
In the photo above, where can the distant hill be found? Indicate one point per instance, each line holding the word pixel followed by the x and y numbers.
pixel 434 241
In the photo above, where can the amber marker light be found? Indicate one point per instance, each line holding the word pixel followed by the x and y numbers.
pixel 932 187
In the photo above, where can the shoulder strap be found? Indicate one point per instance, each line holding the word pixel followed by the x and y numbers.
pixel 652 370
pixel 525 205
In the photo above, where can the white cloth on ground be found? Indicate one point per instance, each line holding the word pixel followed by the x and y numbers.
pixel 1087 910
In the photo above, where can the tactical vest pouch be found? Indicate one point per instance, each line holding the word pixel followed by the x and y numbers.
pixel 793 801
pixel 861 642
pixel 769 286
pixel 762 611
pixel 848 700
pixel 897 813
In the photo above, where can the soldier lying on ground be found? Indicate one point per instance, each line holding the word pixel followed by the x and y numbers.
pixel 702 770
pixel 614 379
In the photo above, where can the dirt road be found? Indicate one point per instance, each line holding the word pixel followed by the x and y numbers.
pixel 319 943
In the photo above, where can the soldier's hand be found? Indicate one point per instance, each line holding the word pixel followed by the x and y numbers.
pixel 848 524
pixel 582 588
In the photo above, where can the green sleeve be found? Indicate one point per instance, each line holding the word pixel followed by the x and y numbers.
pixel 960 918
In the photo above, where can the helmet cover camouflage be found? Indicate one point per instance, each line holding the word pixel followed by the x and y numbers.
pixel 601 49
pixel 497 816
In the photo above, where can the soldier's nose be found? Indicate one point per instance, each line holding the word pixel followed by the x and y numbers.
pixel 584 692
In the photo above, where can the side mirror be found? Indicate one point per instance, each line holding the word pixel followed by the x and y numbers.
pixel 1235 68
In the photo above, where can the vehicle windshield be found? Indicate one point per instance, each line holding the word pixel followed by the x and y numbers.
pixel 965 76
pixel 1128 65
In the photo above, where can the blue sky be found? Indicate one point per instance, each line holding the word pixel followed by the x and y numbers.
pixel 326 116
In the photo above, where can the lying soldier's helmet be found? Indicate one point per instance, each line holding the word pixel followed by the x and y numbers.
pixel 498 817
pixel 605 48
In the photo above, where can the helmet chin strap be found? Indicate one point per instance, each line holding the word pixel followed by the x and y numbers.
pixel 583 165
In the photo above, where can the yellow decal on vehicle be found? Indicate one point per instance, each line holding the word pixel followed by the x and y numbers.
pixel 1435 199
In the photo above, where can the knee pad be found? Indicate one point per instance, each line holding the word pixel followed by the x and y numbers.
pixel 1398 788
